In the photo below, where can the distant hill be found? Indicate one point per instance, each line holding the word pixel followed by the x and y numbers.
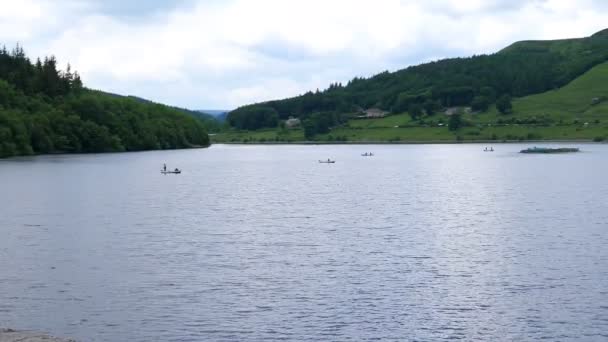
pixel 219 114
pixel 212 122
pixel 195 113
pixel 214 112
pixel 521 69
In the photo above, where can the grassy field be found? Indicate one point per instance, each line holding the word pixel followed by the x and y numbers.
pixel 571 102
pixel 577 111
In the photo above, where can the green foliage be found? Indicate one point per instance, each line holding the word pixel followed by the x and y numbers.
pixel 431 106
pixel 455 122
pixel 253 118
pixel 488 93
pixel 43 77
pixel 405 100
pixel 320 123
pixel 415 110
pixel 504 105
pixel 480 103
pixel 310 129
pixel 44 110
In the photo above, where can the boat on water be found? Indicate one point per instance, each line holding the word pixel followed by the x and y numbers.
pixel 491 149
pixel 176 171
pixel 549 150
pixel 328 161
pixel 366 154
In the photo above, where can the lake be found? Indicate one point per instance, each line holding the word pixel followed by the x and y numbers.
pixel 252 243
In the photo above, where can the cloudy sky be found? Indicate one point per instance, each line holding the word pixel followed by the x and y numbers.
pixel 219 54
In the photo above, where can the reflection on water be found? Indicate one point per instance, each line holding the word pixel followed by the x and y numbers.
pixel 423 242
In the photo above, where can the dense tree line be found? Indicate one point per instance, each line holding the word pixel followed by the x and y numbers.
pixel 42 77
pixel 46 110
pixel 524 68
pixel 254 117
pixel 321 123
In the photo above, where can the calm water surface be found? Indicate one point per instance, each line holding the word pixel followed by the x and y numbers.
pixel 252 243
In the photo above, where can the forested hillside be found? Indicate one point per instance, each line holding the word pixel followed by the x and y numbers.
pixel 211 123
pixel 521 69
pixel 46 110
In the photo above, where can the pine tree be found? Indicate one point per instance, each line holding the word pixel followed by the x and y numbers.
pixel 76 84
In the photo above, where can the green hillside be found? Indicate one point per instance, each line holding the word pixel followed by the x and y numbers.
pixel 585 97
pixel 47 110
pixel 522 69
pixel 578 110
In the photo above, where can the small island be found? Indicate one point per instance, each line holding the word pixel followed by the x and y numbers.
pixel 549 150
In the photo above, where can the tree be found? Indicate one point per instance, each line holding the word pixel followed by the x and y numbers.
pixel 489 93
pixel 76 83
pixel 402 103
pixel 480 103
pixel 455 122
pixel 431 106
pixel 252 118
pixel 504 105
pixel 310 129
pixel 415 111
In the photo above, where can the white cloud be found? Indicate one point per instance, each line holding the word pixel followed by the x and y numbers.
pixel 223 54
pixel 23 14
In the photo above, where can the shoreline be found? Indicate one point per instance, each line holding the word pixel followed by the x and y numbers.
pixel 305 143
pixel 109 152
pixel 11 335
pixel 410 142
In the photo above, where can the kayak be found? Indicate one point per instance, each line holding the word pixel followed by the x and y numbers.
pixel 327 161
pixel 174 172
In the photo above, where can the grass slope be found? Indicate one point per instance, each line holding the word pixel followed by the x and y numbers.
pixel 573 100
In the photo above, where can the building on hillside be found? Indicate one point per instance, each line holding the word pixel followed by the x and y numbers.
pixel 292 122
pixel 373 113
pixel 458 110
pixel 452 111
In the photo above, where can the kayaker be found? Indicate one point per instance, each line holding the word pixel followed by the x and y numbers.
pixel 165 167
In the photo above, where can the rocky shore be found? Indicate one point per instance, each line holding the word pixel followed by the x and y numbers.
pixel 10 335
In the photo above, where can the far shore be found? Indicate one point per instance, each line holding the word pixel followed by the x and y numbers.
pixel 408 142
pixel 63 153
pixel 405 142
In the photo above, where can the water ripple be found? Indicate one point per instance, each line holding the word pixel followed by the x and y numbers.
pixel 259 243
